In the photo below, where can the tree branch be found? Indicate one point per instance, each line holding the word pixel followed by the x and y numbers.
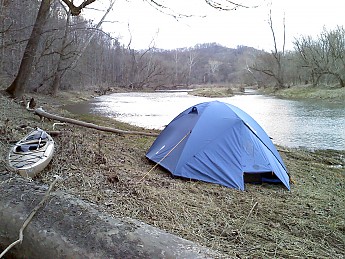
pixel 76 10
pixel 40 112
pixel 220 6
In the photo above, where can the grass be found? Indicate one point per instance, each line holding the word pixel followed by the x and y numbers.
pixel 216 90
pixel 265 221
pixel 213 92
pixel 309 92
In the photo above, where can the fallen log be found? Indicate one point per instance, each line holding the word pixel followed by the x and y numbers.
pixel 40 112
pixel 68 227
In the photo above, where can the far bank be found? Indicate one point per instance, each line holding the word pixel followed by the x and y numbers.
pixel 292 123
pixel 303 92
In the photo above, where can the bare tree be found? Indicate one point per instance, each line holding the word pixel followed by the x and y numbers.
pixel 278 55
pixel 61 54
pixel 41 57
pixel 191 62
pixel 226 5
pixel 17 88
pixel 59 71
pixel 325 56
pixel 214 68
pixel 272 65
pixel 176 61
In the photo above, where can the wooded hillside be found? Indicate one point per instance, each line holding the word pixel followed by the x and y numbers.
pixel 73 53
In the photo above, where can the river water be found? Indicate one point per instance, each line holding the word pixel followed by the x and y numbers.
pixel 308 124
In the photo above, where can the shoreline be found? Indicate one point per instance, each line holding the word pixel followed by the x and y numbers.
pixel 307 92
pixel 220 92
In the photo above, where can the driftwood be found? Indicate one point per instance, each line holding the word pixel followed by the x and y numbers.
pixel 40 112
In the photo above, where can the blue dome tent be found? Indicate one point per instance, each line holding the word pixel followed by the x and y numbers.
pixel 218 143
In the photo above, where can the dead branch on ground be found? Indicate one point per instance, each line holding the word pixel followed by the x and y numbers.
pixel 40 112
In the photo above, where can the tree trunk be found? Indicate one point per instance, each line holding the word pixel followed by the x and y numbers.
pixel 17 88
pixel 99 24
pixel 69 227
pixel 59 71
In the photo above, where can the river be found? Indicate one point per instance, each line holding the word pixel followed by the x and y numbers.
pixel 307 124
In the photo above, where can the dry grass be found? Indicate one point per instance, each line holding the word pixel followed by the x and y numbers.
pixel 106 169
pixel 334 94
pixel 217 90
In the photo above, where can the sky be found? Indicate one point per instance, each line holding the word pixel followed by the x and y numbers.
pixel 147 27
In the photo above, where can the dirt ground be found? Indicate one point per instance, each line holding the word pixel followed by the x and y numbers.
pixel 111 171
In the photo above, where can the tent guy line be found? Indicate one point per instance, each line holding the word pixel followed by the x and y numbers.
pixel 158 163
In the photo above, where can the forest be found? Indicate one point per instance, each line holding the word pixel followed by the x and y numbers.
pixel 74 53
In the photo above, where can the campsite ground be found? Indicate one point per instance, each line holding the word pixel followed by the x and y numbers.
pixel 262 222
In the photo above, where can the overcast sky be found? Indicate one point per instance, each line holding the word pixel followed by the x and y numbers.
pixel 243 26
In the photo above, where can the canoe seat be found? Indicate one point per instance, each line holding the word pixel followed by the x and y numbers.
pixel 29 147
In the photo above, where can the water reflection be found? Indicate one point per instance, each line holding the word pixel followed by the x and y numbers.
pixel 289 123
pixel 149 110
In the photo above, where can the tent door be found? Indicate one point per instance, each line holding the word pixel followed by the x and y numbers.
pixel 267 177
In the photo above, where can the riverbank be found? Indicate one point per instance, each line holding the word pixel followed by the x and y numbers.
pixel 107 169
pixel 216 91
pixel 334 94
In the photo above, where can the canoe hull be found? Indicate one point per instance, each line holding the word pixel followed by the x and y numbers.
pixel 32 154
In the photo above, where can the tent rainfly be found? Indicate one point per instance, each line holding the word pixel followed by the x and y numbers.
pixel 219 143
